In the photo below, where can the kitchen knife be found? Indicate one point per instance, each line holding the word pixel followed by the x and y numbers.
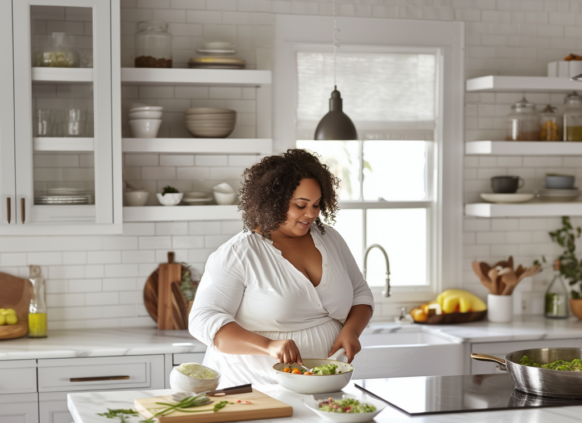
pixel 241 389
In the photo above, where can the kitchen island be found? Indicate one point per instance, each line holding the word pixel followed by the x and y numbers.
pixel 85 406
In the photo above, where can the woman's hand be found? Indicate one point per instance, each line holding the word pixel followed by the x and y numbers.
pixel 285 351
pixel 349 340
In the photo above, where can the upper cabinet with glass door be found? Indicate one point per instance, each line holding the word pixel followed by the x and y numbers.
pixel 67 148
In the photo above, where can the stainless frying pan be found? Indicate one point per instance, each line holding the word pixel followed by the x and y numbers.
pixel 537 381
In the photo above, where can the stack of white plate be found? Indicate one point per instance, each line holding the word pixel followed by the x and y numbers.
pixel 145 121
pixel 208 122
pixel 217 47
pixel 195 198
pixel 558 195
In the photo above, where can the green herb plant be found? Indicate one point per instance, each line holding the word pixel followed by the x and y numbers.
pixel 188 402
pixel 169 190
pixel 570 266
pixel 187 286
pixel 121 413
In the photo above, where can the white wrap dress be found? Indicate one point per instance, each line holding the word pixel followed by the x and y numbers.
pixel 248 281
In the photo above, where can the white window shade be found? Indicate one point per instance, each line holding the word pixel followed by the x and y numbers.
pixel 393 91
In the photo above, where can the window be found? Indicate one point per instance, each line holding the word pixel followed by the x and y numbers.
pixel 402 85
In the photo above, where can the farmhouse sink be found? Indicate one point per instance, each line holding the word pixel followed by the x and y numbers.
pixel 414 350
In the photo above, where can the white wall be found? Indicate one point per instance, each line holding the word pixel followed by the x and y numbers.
pixel 97 281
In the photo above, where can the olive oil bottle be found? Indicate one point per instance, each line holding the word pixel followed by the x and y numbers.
pixel 37 321
pixel 556 306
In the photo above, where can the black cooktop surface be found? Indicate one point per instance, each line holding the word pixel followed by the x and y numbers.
pixel 455 394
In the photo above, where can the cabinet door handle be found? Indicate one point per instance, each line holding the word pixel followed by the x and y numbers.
pixel 8 210
pixel 98 378
pixel 22 209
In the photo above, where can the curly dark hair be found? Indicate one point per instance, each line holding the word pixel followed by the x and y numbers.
pixel 268 187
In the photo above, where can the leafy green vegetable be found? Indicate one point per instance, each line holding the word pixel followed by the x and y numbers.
pixel 122 413
pixel 188 402
pixel 325 369
pixel 568 366
pixel 187 287
pixel 169 190
pixel 346 405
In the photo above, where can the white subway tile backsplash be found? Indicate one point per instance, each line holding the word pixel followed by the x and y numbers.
pixel 176 160
pixel 144 228
pixel 121 270
pixel 171 228
pixel 204 228
pixel 187 242
pixel 102 299
pixel 13 259
pixel 155 242
pixel 85 285
pixel 44 258
pixel 211 160
pixel 103 257
pixel 138 256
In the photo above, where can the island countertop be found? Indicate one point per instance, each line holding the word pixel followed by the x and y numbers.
pixel 140 341
pixel 85 406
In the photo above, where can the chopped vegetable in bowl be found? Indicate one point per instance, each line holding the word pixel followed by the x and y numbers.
pixel 196 371
pixel 346 405
pixel 325 369
pixel 568 366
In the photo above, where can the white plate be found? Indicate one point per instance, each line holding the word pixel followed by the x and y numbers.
pixel 215 51
pixel 196 201
pixel 218 45
pixel 507 198
pixel 313 405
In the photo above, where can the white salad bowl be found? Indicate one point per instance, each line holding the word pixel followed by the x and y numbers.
pixel 182 383
pixel 145 114
pixel 145 128
pixel 136 198
pixel 313 404
pixel 170 199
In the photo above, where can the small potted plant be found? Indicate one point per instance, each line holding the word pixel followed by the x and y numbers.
pixel 571 267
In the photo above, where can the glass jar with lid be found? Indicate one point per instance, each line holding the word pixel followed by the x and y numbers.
pixel 573 117
pixel 550 124
pixel 523 122
pixel 153 45
pixel 58 51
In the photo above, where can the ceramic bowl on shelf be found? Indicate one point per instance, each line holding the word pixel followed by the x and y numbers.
pixel 170 199
pixel 138 107
pixel 207 111
pixel 195 198
pixel 560 181
pixel 224 194
pixel 558 195
pixel 145 128
pixel 136 198
pixel 507 198
pixel 145 114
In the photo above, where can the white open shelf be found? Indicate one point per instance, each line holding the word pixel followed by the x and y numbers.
pixel 174 213
pixel 63 144
pixel 521 83
pixel 234 77
pixel 524 210
pixel 523 148
pixel 65 75
pixel 197 145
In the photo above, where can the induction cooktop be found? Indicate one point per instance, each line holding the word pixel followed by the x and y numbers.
pixel 455 394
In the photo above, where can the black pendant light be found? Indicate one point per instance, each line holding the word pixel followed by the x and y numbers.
pixel 335 125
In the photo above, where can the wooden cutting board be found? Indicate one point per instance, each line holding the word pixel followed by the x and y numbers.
pixel 15 293
pixel 262 407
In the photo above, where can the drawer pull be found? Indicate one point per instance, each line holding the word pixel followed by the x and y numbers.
pixel 98 378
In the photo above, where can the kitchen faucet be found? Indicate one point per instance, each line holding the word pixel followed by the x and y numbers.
pixel 386 291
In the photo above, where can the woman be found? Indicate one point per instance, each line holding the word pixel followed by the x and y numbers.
pixel 286 287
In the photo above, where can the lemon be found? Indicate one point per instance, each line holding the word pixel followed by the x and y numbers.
pixel 10 311
pixel 2 320
pixel 11 319
pixel 2 311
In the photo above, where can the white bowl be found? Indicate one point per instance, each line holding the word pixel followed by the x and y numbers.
pixel 136 198
pixel 224 199
pixel 520 197
pixel 207 110
pixel 182 383
pixel 170 199
pixel 195 194
pixel 145 128
pixel 218 45
pixel 137 107
pixel 219 117
pixel 145 114
pixel 313 404
pixel 209 132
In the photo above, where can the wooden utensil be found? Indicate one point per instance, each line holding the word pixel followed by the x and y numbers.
pixel 150 295
pixel 477 268
pixel 493 273
pixel 168 273
pixel 509 279
pixel 15 293
pixel 262 407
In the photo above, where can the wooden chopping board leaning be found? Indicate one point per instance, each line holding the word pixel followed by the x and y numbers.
pixel 501 278
pixel 261 407
pixel 15 293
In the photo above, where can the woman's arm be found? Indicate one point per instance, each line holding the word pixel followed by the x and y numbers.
pixel 355 324
pixel 232 338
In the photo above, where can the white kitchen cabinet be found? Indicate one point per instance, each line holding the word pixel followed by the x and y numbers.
pixel 53 408
pixel 21 408
pixel 60 128
pixel 500 349
pixel 17 377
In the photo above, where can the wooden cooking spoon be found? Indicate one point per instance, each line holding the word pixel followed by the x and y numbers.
pixel 493 273
pixel 509 279
pixel 478 271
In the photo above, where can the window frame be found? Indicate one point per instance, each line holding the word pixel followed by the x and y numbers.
pixel 299 33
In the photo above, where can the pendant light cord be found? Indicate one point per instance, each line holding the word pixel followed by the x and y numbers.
pixel 336 43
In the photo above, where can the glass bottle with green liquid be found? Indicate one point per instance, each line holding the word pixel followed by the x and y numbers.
pixel 37 321
pixel 556 304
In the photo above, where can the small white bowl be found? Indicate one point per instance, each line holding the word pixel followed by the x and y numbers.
pixel 136 198
pixel 182 383
pixel 145 128
pixel 170 199
pixel 313 405
pixel 145 114
pixel 218 45
pixel 224 199
pixel 136 107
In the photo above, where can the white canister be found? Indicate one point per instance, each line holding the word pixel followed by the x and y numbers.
pixel 499 308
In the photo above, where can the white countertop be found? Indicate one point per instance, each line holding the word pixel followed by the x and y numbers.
pixel 100 343
pixel 140 341
pixel 84 408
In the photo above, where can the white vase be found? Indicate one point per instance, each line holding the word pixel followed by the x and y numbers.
pixel 499 308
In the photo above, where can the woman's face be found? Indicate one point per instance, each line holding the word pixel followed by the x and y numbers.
pixel 303 209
